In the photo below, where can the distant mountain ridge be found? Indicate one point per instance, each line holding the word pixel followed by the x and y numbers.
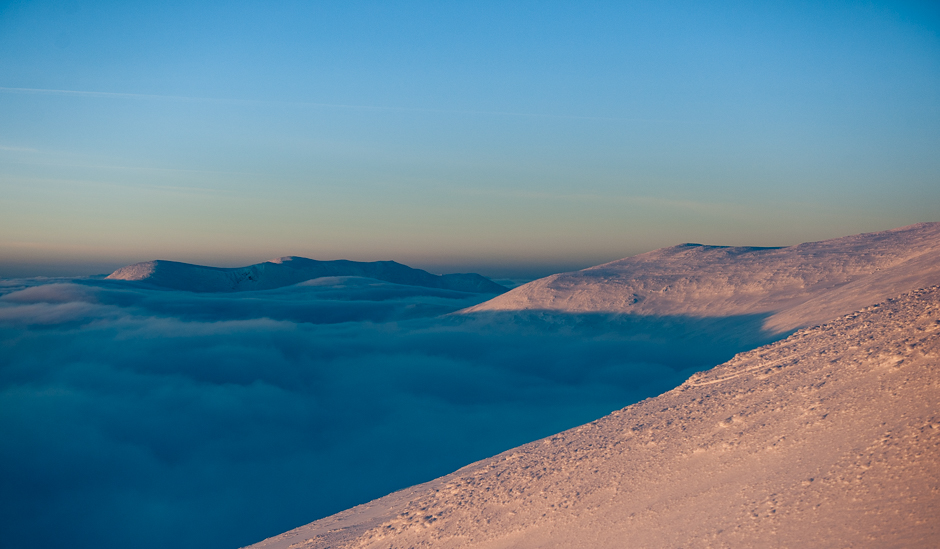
pixel 795 286
pixel 286 271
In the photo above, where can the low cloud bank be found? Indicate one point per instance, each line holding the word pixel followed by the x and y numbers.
pixel 135 417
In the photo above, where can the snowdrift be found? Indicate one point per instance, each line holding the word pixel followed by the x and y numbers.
pixel 287 271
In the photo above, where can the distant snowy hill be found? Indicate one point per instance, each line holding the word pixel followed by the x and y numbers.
pixel 286 271
pixel 797 286
pixel 829 438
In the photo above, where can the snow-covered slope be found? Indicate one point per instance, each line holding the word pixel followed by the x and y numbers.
pixel 829 438
pixel 286 271
pixel 796 286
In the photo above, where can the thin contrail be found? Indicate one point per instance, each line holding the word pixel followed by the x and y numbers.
pixel 117 95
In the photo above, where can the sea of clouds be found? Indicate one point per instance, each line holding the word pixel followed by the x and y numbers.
pixel 139 417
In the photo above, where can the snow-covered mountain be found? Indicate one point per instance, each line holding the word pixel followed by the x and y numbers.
pixel 796 286
pixel 286 271
pixel 829 438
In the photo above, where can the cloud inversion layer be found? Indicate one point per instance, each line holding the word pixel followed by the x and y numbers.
pixel 148 418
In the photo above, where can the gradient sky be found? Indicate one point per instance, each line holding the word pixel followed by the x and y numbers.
pixel 504 138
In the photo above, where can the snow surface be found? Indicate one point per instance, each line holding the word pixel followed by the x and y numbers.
pixel 796 286
pixel 829 438
pixel 287 271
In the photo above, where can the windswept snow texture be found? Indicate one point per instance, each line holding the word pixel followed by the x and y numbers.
pixel 287 271
pixel 795 287
pixel 830 438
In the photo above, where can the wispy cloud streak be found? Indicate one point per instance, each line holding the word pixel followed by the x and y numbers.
pixel 308 104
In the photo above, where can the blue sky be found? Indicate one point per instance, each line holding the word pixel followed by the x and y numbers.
pixel 505 139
